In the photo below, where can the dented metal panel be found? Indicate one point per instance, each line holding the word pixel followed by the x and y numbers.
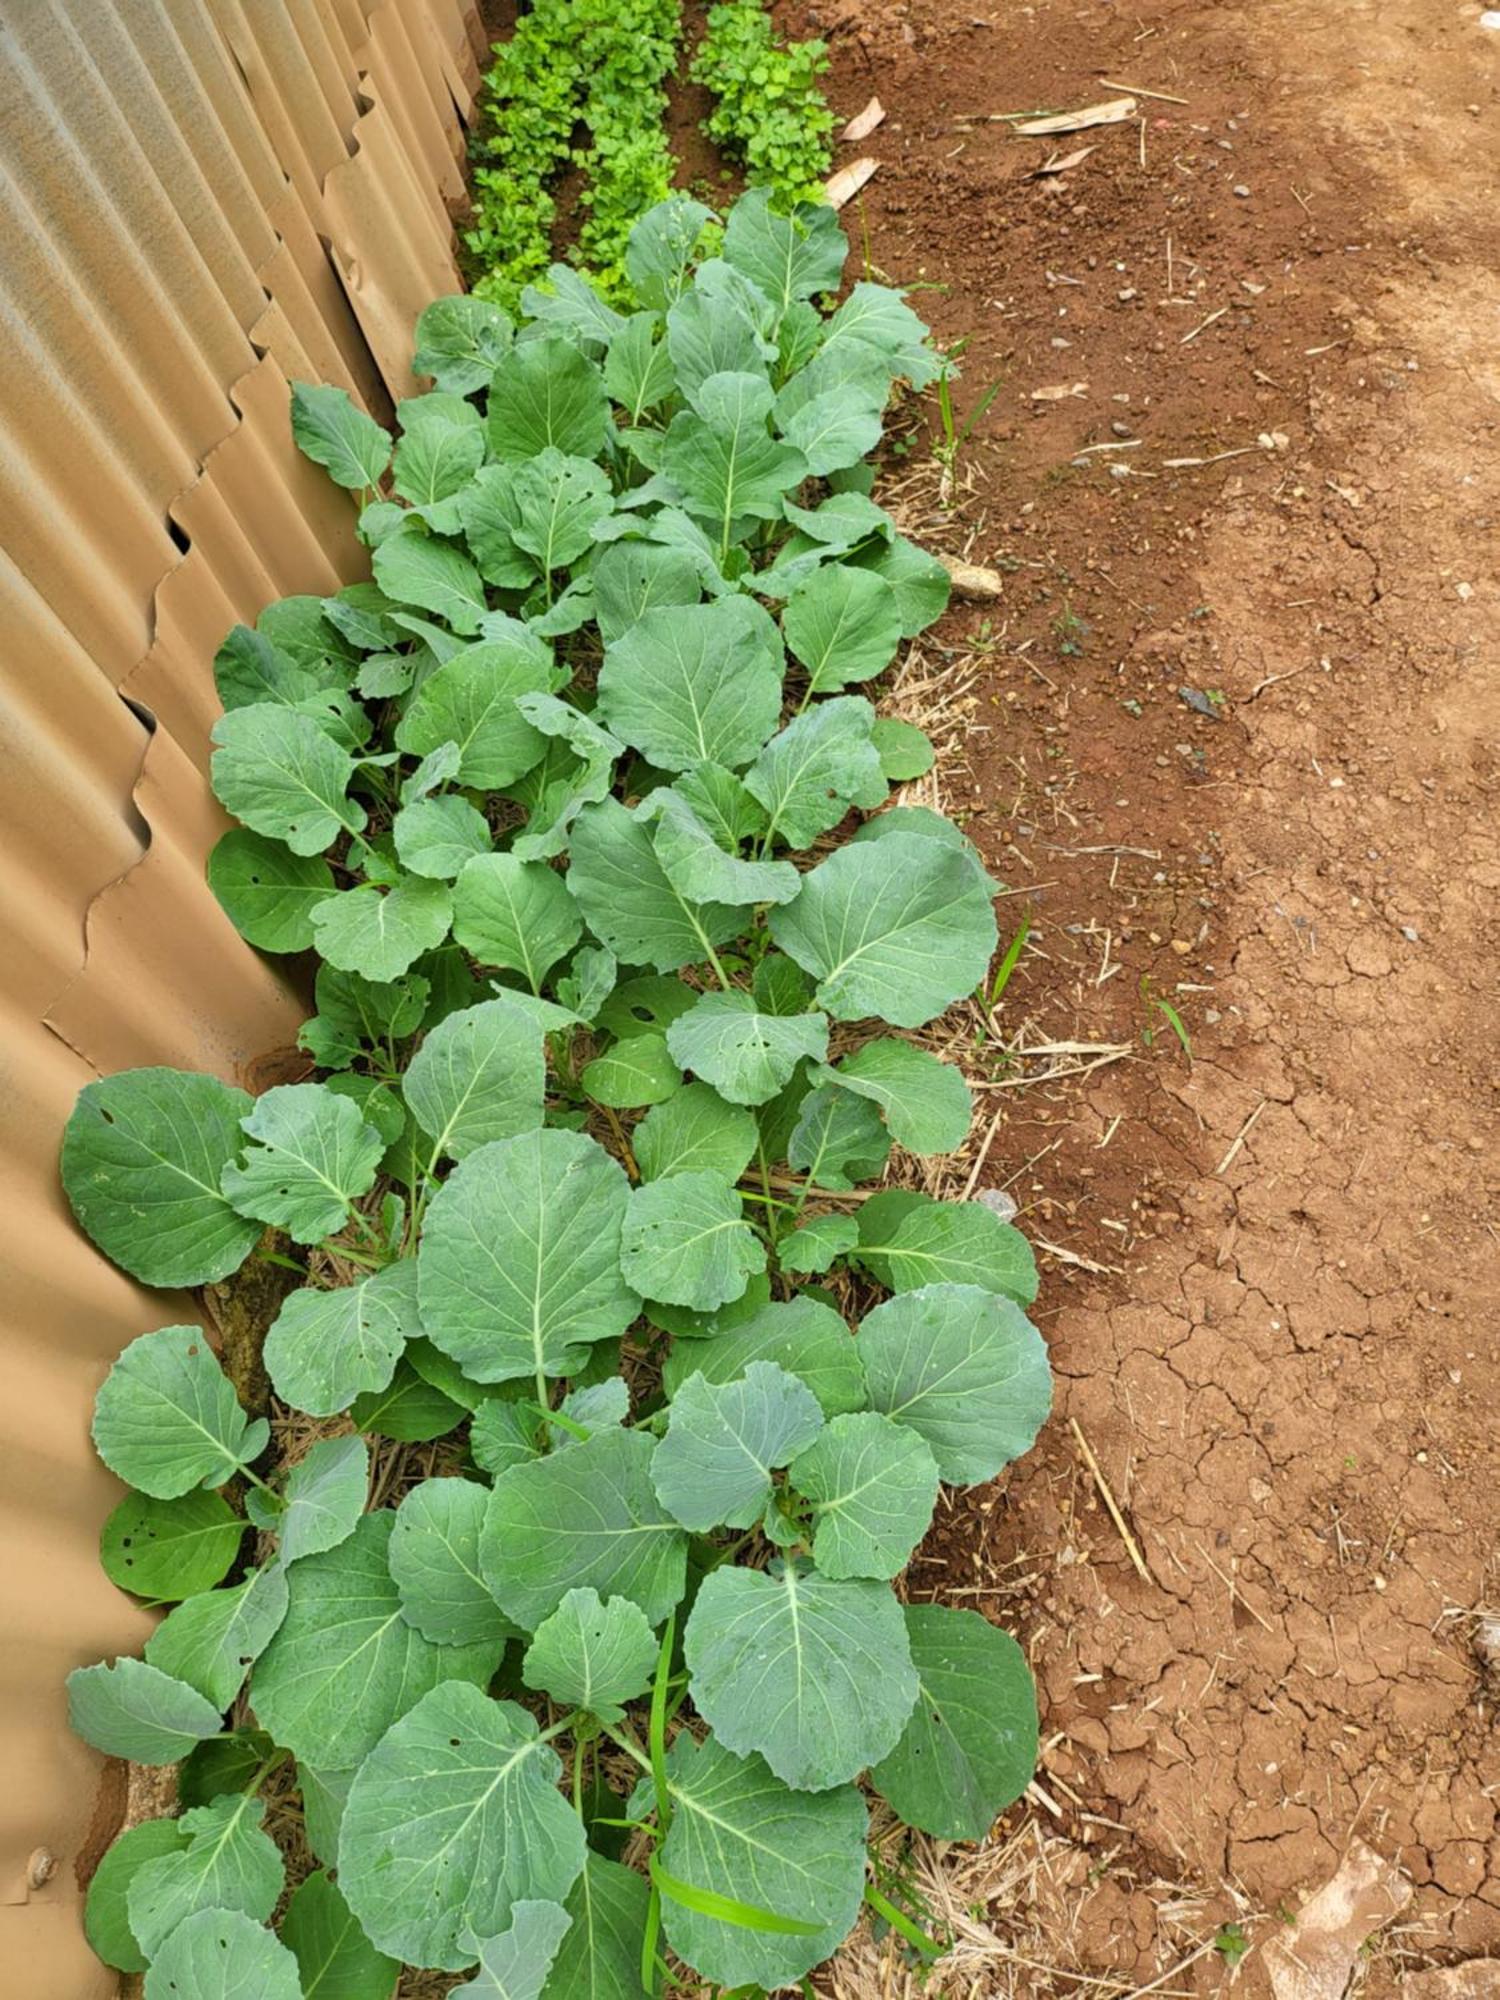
pixel 205 199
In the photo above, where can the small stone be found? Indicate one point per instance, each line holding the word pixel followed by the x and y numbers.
pixel 1120 428
pixel 1129 293
pixel 1119 472
pixel 1242 191
pixel 1411 934
pixel 1181 947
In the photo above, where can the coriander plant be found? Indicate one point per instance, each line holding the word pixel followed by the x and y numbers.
pixel 616 936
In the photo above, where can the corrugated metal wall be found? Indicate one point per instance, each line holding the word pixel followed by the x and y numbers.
pixel 201 198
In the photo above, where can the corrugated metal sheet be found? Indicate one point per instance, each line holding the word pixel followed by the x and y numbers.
pixel 203 198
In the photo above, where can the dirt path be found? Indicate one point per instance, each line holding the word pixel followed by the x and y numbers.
pixel 1271 1296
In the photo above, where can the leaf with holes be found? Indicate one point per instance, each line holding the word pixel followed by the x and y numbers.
pixel 212 1641
pixel 223 1955
pixel 694 1131
pixel 434 1558
pixel 381 931
pixel 345 1663
pixel 310 1158
pixel 746 1055
pixel 518 915
pixel 471 701
pixel 169 1549
pixel 820 765
pixel 965 1369
pixel 592 1653
pixel 135 1711
pixel 628 900
pixel 325 1348
pixel 699 683
pixel 686 1242
pixel 723 1441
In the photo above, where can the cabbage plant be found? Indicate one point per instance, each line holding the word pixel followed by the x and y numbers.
pixel 619 950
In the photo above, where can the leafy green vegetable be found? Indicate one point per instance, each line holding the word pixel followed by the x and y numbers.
pixel 141 1162
pixel 334 1957
pixel 813 1674
pixel 105 1922
pixel 453 1819
pixel 165 1549
pixel 965 1369
pixel 970 1746
pixel 166 1418
pixel 561 838
pixel 218 1954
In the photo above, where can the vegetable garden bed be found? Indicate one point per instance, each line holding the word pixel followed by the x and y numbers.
pixel 613 1390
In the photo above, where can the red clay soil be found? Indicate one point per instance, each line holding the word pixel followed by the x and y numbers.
pixel 1271 1298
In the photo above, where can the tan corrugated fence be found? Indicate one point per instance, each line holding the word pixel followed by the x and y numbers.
pixel 202 198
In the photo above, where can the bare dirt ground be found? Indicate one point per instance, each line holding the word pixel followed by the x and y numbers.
pixel 1270 1292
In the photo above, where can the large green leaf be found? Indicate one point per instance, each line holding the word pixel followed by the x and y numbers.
pixel 336 1960
pixel 628 900
pixel 229 1863
pixel 804 1336
pixel 584 1518
pixel 557 501
pixel 311 1157
pixel 925 1101
pixel 478 1076
pixel 381 932
pixel 926 825
pixel 638 369
pixel 723 458
pixel 823 762
pixel 413 567
pixel 794 256
pixel 167 1549
pixel 948 1243
pixel 223 1955
pixel 694 1132
pixel 546 392
pixel 514 1965
pixel 211 1641
pixel 471 701
pixel 722 803
pixel 435 837
pixel 685 1241
pixel 571 301
pixel 135 1711
pixel 266 891
pixel 843 625
pixel 813 1674
pixel 166 1418
pixel 873 1485
pixel 490 510
pixel 519 1267
pixel 694 683
pixel 325 1497
pixel 459 342
pixel 965 1369
pixel 833 430
pixel 351 447
pixel 453 1819
pixel 970 1747
pixel 600 1957
pixel 346 1663
pixel 592 1653
pixel 518 915
pixel 105 1922
pixel 713 337
pixel 141 1160
pixel 746 1055
pixel 739 1833
pixel 723 1440
pixel 699 868
pixel 899 932
pixel 838 1139
pixel 632 578
pixel 440 450
pixel 875 317
pixel 279 772
pixel 325 1348
pixel 434 1558
pixel 921 583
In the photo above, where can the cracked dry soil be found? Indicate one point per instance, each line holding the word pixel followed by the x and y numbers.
pixel 1281 1345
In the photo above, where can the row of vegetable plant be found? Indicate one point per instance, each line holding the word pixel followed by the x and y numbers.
pixel 602 65
pixel 597 63
pixel 614 926
pixel 769 114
